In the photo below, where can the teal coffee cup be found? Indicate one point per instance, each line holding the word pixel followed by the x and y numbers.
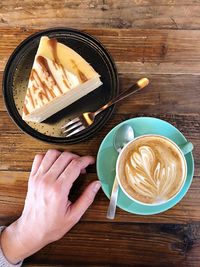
pixel 152 169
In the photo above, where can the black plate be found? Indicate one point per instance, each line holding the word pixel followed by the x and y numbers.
pixel 16 77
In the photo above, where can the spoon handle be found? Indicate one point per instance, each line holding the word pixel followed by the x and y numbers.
pixel 113 200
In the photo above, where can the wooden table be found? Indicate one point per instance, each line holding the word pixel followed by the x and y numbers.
pixel 157 39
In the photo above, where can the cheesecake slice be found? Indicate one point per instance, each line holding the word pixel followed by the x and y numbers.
pixel 59 77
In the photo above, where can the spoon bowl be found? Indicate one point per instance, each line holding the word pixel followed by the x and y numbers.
pixel 123 136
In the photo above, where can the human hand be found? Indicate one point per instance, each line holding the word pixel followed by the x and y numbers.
pixel 48 213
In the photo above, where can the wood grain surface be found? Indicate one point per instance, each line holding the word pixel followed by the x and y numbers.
pixel 156 39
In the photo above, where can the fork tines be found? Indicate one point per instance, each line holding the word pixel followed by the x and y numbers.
pixel 72 127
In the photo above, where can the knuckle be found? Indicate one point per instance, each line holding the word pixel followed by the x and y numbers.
pixel 76 163
pixel 56 190
pixel 33 178
pixel 69 155
pixel 66 154
pixel 54 152
pixel 52 171
pixel 44 183
pixel 42 169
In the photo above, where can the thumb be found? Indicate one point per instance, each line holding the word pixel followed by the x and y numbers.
pixel 84 201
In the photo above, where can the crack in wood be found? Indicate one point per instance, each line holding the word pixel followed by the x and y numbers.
pixel 174 22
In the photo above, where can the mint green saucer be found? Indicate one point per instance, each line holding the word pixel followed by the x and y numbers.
pixel 107 156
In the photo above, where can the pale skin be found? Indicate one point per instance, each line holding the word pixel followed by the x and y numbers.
pixel 48 214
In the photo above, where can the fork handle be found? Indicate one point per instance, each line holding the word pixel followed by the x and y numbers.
pixel 133 89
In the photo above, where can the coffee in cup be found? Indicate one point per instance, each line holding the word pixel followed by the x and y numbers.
pixel 151 169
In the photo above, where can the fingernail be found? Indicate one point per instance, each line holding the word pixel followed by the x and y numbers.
pixel 96 187
pixel 83 171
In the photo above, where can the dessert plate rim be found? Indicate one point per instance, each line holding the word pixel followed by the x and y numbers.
pixel 10 69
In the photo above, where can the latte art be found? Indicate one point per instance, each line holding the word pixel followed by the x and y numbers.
pixel 150 177
pixel 152 170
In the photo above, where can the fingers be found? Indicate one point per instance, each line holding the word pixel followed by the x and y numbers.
pixel 73 170
pixel 84 201
pixel 48 160
pixel 54 164
pixel 61 163
pixel 36 163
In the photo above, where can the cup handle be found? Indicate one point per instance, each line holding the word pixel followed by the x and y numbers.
pixel 186 148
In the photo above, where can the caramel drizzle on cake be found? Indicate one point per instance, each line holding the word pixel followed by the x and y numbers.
pixel 30 96
pixel 44 82
pixel 53 44
pixel 82 76
pixel 39 84
pixel 25 110
pixel 45 67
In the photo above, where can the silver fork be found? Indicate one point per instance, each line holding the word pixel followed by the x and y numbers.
pixel 83 121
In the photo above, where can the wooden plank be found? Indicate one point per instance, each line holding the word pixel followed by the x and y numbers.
pixel 110 244
pixel 161 68
pixel 13 188
pixel 174 94
pixel 134 51
pixel 113 14
pixel 14 142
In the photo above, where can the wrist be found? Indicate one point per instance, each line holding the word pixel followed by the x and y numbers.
pixel 9 246
pixel 15 243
